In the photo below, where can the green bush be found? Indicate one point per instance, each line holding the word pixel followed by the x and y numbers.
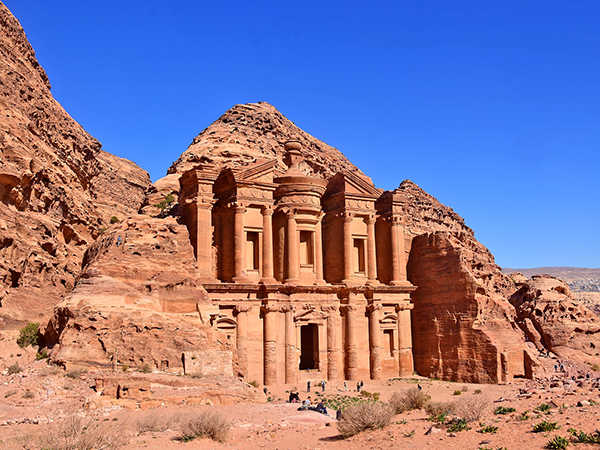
pixel 145 368
pixel 545 426
pixel 504 410
pixel 558 442
pixel 544 407
pixel 458 424
pixel 487 428
pixel 114 219
pixel 29 335
pixel 42 354
pixel 457 392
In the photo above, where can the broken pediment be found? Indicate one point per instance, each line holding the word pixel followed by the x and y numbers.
pixel 352 183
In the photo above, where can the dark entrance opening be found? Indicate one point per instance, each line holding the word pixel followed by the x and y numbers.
pixel 309 347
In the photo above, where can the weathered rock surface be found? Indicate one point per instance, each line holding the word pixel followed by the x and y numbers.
pixel 552 318
pixel 139 301
pixel 57 187
pixel 463 328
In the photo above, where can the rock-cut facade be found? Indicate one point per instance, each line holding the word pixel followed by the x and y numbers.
pixel 306 276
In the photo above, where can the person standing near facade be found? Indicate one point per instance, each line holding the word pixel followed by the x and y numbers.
pixel 308 386
pixel 323 386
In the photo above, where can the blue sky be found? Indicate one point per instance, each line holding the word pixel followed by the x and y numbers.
pixel 492 107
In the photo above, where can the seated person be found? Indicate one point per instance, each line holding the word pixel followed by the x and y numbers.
pixel 321 408
pixel 305 405
pixel 294 398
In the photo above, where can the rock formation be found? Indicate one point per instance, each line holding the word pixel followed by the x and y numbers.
pixel 138 301
pixel 58 189
pixel 552 319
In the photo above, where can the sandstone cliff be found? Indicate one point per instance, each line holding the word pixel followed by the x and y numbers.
pixel 58 189
pixel 463 326
pixel 137 298
pixel 553 319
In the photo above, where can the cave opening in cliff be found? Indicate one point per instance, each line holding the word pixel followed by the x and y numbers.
pixel 309 347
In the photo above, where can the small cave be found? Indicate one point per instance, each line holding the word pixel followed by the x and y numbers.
pixel 15 277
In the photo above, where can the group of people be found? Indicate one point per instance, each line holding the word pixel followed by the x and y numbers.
pixel 307 404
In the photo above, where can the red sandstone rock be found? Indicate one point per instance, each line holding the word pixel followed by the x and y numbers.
pixel 554 319
pixel 140 300
pixel 57 187
pixel 462 329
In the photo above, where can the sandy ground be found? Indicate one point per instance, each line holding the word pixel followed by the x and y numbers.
pixel 36 399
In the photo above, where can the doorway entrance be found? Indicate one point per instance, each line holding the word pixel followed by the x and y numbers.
pixel 309 347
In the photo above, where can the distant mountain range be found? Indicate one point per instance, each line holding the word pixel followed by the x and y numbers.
pixel 580 279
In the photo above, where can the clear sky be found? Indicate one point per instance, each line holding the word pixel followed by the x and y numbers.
pixel 493 107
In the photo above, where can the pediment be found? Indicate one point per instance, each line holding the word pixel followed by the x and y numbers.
pixel 351 183
pixel 259 172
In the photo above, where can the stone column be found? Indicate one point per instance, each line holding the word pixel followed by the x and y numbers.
pixel 204 239
pixel 351 342
pixel 332 353
pixel 371 255
pixel 270 344
pixel 242 338
pixel 319 251
pixel 267 247
pixel 238 245
pixel 405 354
pixel 375 341
pixel 291 363
pixel 396 256
pixel 348 260
pixel 293 260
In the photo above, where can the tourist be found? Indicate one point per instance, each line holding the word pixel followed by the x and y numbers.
pixel 358 386
pixel 308 386
pixel 306 404
pixel 345 386
pixel 321 408
pixel 119 241
pixel 323 386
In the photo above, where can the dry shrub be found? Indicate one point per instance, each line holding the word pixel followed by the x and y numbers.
pixel 410 399
pixel 473 408
pixel 155 421
pixel 365 416
pixel 206 423
pixel 439 408
pixel 84 432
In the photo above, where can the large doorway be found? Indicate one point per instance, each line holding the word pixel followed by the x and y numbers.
pixel 309 347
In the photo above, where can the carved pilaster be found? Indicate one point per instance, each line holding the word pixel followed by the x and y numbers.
pixel 332 350
pixel 270 343
pixel 350 312
pixel 375 340
pixel 241 312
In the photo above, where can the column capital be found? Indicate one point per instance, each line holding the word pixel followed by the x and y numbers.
pixel 374 307
pixel 267 210
pixel 242 308
pixel 290 213
pixel 347 216
pixel 404 306
pixel 287 308
pixel 331 309
pixel 269 308
pixel 348 308
pixel 238 207
pixel 370 219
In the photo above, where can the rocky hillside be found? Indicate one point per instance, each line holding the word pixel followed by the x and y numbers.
pixel 553 319
pixel 58 188
pixel 580 279
pixel 244 134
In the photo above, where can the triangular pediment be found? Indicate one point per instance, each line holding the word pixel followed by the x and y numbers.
pixel 352 183
pixel 259 172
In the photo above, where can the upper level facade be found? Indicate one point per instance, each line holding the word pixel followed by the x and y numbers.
pixel 248 226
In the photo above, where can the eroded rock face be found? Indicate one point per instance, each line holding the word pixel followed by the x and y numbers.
pixel 138 297
pixel 553 319
pixel 462 329
pixel 57 187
